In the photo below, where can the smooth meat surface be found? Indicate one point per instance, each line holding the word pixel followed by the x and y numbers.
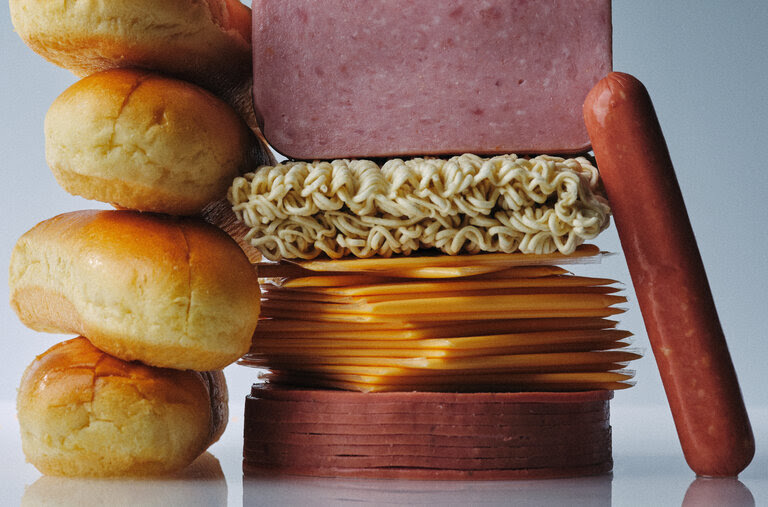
pixel 342 79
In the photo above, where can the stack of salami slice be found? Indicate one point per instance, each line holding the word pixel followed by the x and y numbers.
pixel 420 435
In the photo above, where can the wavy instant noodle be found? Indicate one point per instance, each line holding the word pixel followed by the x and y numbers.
pixel 465 204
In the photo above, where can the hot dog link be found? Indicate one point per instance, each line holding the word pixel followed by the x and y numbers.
pixel 669 278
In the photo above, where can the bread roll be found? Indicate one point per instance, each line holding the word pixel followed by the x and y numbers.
pixel 144 141
pixel 170 292
pixel 206 42
pixel 85 413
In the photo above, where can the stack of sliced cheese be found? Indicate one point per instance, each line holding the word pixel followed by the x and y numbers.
pixel 487 322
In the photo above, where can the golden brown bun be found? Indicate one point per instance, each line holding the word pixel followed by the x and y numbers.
pixel 85 413
pixel 170 292
pixel 144 141
pixel 206 42
pixel 220 214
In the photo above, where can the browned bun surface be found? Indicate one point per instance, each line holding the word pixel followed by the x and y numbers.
pixel 143 141
pixel 85 413
pixel 206 42
pixel 170 292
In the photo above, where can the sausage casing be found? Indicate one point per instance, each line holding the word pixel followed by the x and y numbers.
pixel 669 277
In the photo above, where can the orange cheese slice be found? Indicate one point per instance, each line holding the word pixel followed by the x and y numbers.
pixel 445 375
pixel 493 382
pixel 523 272
pixel 281 273
pixel 441 271
pixel 280 312
pixel 399 264
pixel 269 350
pixel 496 341
pixel 395 377
pixel 301 329
pixel 319 279
pixel 291 296
pixel 345 280
pixel 600 360
pixel 450 304
pixel 493 302
pixel 420 287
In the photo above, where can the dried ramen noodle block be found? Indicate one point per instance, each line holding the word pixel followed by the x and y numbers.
pixel 465 204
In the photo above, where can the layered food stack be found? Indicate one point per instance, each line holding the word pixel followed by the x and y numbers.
pixel 416 319
pixel 162 300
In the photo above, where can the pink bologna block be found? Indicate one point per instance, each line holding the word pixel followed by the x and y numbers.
pixel 340 78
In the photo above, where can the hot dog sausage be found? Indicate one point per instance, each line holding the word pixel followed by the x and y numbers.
pixel 669 278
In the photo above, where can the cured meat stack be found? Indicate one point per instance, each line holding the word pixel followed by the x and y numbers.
pixel 428 435
pixel 415 322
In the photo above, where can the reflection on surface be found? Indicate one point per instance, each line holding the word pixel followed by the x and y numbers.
pixel 286 490
pixel 201 483
pixel 718 492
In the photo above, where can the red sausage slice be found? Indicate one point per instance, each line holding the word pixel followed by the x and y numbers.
pixel 669 278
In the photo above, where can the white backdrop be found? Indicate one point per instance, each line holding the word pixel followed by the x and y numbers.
pixel 705 66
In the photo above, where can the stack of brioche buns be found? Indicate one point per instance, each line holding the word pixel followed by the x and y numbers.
pixel 161 300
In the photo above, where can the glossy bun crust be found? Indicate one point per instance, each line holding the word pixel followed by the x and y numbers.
pixel 169 292
pixel 207 42
pixel 85 413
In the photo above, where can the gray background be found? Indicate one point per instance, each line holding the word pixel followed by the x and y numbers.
pixel 705 66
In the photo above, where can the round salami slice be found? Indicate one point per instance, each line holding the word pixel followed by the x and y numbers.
pixel 432 473
pixel 330 396
pixel 268 412
pixel 477 440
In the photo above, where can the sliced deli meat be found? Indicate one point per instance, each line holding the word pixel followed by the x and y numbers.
pixel 342 79
pixel 394 441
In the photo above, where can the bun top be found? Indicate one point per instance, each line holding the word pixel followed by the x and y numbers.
pixel 199 40
pixel 118 240
pixel 206 42
pixel 145 141
pixel 170 292
pixel 83 412
pixel 71 371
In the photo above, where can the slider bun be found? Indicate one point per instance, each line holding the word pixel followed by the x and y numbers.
pixel 143 141
pixel 85 413
pixel 206 42
pixel 170 292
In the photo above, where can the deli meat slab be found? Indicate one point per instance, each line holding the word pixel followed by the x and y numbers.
pixel 506 435
pixel 338 79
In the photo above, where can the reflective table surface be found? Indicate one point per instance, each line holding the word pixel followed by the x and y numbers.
pixel 648 470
